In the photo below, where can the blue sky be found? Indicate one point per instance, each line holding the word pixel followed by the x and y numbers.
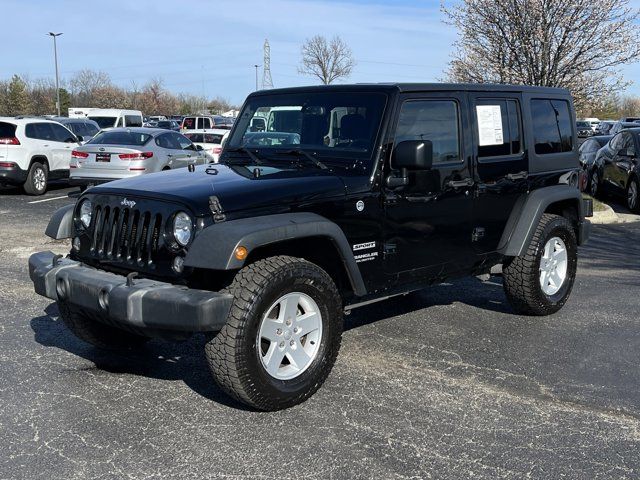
pixel 211 46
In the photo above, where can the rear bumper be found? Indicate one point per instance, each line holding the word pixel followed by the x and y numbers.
pixel 12 175
pixel 89 181
pixel 141 304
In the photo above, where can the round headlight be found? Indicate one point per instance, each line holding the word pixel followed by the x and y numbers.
pixel 85 212
pixel 182 228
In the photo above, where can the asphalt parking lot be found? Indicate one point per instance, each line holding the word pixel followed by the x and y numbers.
pixel 445 383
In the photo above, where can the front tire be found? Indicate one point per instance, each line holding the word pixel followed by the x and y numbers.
pixel 86 327
pixel 594 183
pixel 539 282
pixel 37 179
pixel 282 335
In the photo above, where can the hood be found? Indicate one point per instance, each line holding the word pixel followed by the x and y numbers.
pixel 236 187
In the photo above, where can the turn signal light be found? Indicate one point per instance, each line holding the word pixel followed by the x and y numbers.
pixel 241 253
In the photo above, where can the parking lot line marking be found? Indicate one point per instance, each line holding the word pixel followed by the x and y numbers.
pixel 48 199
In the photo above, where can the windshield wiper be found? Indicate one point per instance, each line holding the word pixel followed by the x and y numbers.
pixel 301 153
pixel 254 158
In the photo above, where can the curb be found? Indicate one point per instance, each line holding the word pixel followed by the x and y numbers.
pixel 610 217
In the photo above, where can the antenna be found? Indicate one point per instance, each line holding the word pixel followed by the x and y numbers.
pixel 267 81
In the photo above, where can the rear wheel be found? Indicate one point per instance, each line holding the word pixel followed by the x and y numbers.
pixel 539 282
pixel 633 195
pixel 594 182
pixel 87 327
pixel 282 335
pixel 37 179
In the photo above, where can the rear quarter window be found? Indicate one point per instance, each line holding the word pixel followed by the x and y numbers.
pixel 551 121
pixel 7 130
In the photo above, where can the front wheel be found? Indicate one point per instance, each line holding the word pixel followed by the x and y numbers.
pixel 594 183
pixel 539 281
pixel 282 335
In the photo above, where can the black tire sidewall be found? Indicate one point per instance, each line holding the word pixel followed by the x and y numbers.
pixel 633 208
pixel 561 229
pixel 314 285
pixel 30 186
pixel 593 186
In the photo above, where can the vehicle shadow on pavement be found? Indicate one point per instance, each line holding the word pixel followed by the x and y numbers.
pixel 183 361
pixel 471 291
pixel 18 191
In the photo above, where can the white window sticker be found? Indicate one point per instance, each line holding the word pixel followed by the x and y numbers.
pixel 489 125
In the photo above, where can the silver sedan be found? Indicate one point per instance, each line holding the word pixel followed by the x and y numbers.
pixel 128 152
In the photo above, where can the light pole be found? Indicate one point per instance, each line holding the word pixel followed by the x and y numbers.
pixel 257 66
pixel 55 57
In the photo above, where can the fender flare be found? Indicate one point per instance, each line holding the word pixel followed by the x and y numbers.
pixel 214 247
pixel 526 215
pixel 61 223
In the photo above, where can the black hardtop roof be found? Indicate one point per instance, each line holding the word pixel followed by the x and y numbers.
pixel 414 87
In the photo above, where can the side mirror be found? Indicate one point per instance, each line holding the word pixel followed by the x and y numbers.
pixel 413 155
pixel 80 138
pixel 199 148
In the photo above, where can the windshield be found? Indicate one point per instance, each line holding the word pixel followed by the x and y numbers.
pixel 120 138
pixel 584 125
pixel 330 124
pixel 104 122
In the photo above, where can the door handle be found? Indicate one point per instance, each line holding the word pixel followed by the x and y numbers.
pixel 467 182
pixel 517 176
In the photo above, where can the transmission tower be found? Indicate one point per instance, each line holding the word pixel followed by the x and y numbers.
pixel 267 81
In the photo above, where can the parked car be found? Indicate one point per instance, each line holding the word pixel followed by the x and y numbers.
pixel 34 151
pixel 265 251
pixel 617 164
pixel 584 129
pixel 130 152
pixel 604 127
pixel 84 128
pixel 168 125
pixel 593 122
pixel 206 122
pixel 211 141
pixel 619 126
pixel 629 119
pixel 114 118
pixel 157 118
pixel 588 151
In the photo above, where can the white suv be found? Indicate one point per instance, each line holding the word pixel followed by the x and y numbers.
pixel 32 150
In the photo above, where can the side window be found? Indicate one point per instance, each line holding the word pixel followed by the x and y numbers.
pixel 90 129
pixel 61 134
pixel 165 141
pixel 498 122
pixel 119 124
pixel 30 130
pixel 43 131
pixel 433 120
pixel 200 123
pixel 617 143
pixel 133 121
pixel 189 123
pixel 551 126
pixel 183 142
pixel 628 144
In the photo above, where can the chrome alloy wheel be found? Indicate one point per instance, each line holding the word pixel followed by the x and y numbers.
pixel 632 195
pixel 289 336
pixel 553 266
pixel 39 179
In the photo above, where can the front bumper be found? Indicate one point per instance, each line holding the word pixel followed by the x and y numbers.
pixel 141 304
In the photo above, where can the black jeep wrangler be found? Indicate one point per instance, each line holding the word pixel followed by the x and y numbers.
pixel 325 199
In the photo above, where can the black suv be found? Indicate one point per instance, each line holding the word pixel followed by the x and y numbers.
pixel 350 195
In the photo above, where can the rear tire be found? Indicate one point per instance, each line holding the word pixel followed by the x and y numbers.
pixel 262 356
pixel 531 282
pixel 88 328
pixel 594 183
pixel 37 179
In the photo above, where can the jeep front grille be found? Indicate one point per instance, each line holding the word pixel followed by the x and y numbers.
pixel 125 235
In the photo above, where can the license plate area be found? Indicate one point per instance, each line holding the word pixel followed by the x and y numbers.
pixel 103 157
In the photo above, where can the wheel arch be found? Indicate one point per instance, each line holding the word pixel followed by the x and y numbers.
pixel 306 235
pixel 563 200
pixel 41 159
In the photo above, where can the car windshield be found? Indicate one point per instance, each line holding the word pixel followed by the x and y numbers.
pixel 104 122
pixel 584 125
pixel 120 138
pixel 332 125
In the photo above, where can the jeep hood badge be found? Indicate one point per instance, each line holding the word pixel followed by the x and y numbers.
pixel 128 203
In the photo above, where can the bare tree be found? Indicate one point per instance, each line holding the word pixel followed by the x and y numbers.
pixel 575 44
pixel 86 82
pixel 328 61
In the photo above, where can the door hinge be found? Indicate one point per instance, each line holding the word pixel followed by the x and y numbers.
pixel 477 234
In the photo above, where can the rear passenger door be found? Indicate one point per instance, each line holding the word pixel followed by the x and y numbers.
pixel 65 142
pixel 501 165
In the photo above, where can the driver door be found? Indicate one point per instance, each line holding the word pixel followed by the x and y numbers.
pixel 618 167
pixel 428 221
